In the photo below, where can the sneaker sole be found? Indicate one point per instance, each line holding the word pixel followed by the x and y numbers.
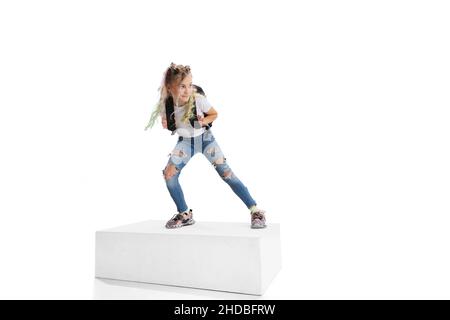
pixel 189 223
pixel 258 227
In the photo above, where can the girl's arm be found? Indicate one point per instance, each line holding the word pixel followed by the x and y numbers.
pixel 210 117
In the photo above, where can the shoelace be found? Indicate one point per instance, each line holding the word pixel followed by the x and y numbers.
pixel 258 215
pixel 178 216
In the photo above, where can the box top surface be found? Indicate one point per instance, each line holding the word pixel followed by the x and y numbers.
pixel 232 229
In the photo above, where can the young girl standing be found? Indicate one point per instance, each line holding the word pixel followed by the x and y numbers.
pixel 184 109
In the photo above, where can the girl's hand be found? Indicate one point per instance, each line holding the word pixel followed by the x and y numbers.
pixel 164 123
pixel 201 120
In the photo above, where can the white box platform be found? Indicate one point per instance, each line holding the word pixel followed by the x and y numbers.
pixel 208 255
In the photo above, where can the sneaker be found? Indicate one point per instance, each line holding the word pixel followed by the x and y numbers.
pixel 258 219
pixel 180 220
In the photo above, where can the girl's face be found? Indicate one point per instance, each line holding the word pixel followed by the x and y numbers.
pixel 181 91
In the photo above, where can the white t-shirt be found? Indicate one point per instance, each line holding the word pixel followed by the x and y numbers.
pixel 185 129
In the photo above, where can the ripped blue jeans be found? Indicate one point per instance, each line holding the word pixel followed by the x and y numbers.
pixel 184 150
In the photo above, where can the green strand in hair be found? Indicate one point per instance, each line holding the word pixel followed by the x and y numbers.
pixel 156 112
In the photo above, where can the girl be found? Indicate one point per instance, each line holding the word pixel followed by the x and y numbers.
pixel 184 109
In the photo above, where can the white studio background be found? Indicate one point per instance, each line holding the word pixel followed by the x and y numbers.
pixel 333 113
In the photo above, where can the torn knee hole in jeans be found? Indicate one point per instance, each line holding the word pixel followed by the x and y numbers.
pixel 212 151
pixel 170 171
pixel 221 160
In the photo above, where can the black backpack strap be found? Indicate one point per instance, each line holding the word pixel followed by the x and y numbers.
pixel 170 116
pixel 199 90
pixel 202 92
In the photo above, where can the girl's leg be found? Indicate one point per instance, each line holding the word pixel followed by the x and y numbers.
pixel 215 155
pixel 179 157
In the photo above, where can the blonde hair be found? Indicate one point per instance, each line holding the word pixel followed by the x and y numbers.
pixel 173 74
